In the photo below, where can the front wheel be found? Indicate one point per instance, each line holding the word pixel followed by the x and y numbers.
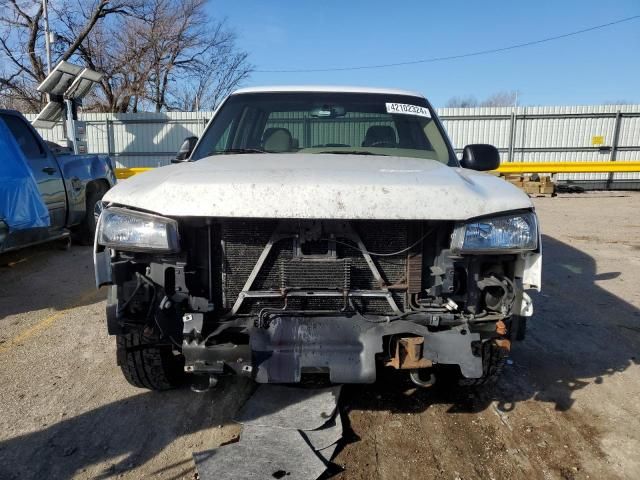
pixel 148 365
pixel 87 229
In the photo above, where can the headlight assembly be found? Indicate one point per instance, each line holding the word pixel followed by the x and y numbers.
pixel 128 230
pixel 506 233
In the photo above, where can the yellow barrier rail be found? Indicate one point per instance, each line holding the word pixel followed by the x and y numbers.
pixel 508 167
pixel 122 173
pixel 569 167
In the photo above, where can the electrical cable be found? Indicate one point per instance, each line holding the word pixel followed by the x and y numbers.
pixel 452 57
pixel 151 313
pixel 128 301
pixel 375 254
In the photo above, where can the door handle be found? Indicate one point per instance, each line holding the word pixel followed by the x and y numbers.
pixel 49 170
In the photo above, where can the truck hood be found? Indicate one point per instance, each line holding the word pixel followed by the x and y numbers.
pixel 318 186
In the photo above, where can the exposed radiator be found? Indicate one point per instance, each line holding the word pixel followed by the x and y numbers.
pixel 302 273
pixel 244 240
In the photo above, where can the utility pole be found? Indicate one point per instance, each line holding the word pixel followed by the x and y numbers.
pixel 47 35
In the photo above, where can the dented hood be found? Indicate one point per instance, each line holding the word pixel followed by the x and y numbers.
pixel 318 186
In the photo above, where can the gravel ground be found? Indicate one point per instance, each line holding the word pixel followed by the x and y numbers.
pixel 567 406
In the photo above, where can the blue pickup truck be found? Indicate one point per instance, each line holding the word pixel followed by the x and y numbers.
pixel 69 186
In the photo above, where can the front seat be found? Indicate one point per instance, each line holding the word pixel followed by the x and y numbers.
pixel 277 140
pixel 380 136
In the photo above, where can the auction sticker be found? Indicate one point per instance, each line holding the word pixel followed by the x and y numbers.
pixel 406 109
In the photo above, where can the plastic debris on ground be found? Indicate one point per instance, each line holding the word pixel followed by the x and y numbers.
pixel 326 435
pixel 287 432
pixel 264 456
pixel 290 407
pixel 327 453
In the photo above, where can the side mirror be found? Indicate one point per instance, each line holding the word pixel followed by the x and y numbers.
pixel 185 150
pixel 480 157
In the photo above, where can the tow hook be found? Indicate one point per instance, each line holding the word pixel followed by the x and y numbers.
pixel 415 378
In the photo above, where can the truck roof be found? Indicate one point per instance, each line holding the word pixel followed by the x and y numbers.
pixel 326 88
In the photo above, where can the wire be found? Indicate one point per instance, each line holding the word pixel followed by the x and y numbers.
pixel 135 291
pixel 453 57
pixel 151 312
pixel 374 254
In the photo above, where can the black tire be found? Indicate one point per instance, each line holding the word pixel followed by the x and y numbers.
pixel 87 229
pixel 64 244
pixel 517 328
pixel 493 361
pixel 146 365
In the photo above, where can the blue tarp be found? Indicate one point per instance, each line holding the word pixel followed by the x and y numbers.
pixel 21 204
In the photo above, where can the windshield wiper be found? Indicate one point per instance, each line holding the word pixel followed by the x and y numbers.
pixel 237 150
pixel 354 152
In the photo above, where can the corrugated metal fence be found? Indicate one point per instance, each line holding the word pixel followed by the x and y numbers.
pixel 523 134
pixel 593 133
pixel 135 139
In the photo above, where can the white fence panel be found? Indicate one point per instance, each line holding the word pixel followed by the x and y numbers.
pixel 135 139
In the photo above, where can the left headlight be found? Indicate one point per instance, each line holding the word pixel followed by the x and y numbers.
pixel 124 229
pixel 505 233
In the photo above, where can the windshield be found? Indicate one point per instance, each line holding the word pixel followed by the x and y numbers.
pixel 323 122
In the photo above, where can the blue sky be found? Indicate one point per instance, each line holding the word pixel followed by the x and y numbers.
pixel 595 67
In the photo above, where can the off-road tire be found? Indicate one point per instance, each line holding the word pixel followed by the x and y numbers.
pixel 146 365
pixel 493 361
pixel 87 229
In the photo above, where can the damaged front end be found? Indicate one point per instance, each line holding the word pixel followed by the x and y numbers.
pixel 276 300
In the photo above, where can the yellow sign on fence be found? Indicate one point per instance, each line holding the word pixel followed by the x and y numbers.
pixel 597 140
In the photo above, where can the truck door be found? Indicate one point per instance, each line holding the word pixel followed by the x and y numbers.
pixel 44 167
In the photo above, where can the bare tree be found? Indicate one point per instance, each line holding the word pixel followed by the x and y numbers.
pixel 192 55
pixel 210 80
pixel 169 50
pixel 622 101
pixel 22 39
pixel 506 98
pixel 124 59
pixel 155 54
pixel 462 102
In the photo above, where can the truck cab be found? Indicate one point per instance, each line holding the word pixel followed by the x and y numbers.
pixel 69 185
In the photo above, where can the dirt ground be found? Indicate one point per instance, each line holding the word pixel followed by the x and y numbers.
pixel 567 407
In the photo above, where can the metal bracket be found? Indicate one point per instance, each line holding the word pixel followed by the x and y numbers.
pixel 372 266
pixel 278 235
pixel 192 324
pixel 409 354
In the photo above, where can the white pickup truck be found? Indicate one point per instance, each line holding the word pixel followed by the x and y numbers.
pixel 318 231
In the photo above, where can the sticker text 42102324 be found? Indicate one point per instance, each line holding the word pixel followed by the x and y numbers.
pixel 406 109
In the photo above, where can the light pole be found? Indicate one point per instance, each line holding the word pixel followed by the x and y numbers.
pixel 47 35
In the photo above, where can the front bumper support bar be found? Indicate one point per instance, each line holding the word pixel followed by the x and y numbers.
pixel 345 347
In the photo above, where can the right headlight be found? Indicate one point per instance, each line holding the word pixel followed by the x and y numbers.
pixel 505 233
pixel 129 230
